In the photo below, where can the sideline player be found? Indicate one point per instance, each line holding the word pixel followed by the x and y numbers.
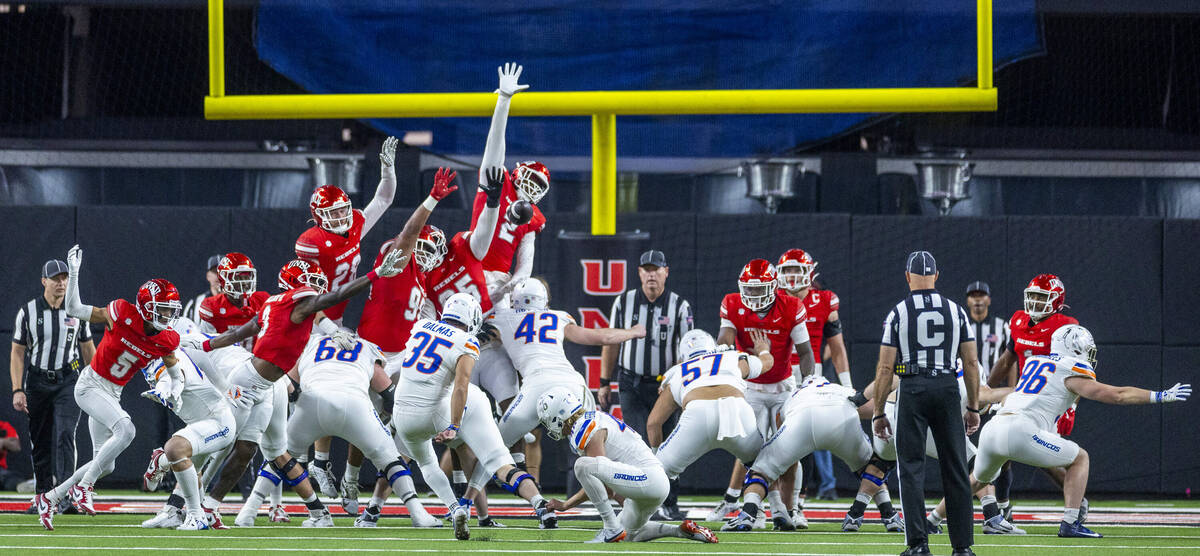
pixel 613 457
pixel 137 334
pixel 1023 429
pixel 756 307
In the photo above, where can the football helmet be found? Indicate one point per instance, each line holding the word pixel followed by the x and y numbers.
pixel 531 180
pixel 430 248
pixel 236 274
pixel 530 294
pixel 554 408
pixel 1074 341
pixel 757 285
pixel 327 205
pixel 464 308
pixel 1044 296
pixel 299 273
pixel 158 303
pixel 696 342
pixel 796 269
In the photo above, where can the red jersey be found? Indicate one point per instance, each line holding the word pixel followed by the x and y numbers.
pixel 460 272
pixel 784 324
pixel 1029 338
pixel 9 432
pixel 126 347
pixel 337 255
pixel 223 314
pixel 281 341
pixel 393 306
pixel 819 304
pixel 504 243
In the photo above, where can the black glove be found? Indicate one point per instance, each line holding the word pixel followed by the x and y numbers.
pixel 858 399
pixel 388 396
pixel 487 332
pixel 494 186
pixel 295 393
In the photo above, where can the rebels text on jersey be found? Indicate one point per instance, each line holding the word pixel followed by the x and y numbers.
pixel 337 255
pixel 281 341
pixel 460 272
pixel 504 243
pixel 393 306
pixel 1030 338
pixel 784 324
pixel 222 314
pixel 819 304
pixel 126 347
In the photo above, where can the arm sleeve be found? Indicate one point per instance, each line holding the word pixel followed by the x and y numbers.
pixel 523 263
pixel 890 329
pixel 384 193
pixel 799 334
pixel 493 150
pixel 19 333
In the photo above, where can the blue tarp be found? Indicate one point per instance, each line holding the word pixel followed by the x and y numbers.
pixel 378 46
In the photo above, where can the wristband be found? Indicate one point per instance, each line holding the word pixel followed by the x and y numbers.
pixel 973 410
pixel 764 352
pixel 452 427
pixel 18 391
pixel 429 203
pixel 206 346
pixel 878 417
pixel 372 276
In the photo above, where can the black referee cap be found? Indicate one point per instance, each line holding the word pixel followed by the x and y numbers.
pixel 921 263
pixel 979 286
pixel 53 267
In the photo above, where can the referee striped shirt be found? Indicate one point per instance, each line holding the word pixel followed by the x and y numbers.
pixel 50 335
pixel 991 338
pixel 666 319
pixel 927 329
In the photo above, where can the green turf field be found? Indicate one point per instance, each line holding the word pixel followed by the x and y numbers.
pixel 21 535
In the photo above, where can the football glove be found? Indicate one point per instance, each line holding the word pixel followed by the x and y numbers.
pixel 1177 393
pixel 494 186
pixel 443 184
pixel 510 74
pixel 387 155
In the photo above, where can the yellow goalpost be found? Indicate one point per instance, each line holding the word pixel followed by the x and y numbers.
pixel 602 106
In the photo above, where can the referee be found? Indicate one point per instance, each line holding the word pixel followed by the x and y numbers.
pixel 991 331
pixel 58 346
pixel 637 366
pixel 923 336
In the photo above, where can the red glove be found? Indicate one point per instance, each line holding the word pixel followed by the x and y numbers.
pixel 1066 422
pixel 443 184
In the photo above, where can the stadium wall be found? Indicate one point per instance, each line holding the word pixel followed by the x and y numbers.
pixel 1130 280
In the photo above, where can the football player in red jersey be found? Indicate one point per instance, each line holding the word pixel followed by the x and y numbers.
pixel 456 266
pixel 283 329
pixel 240 299
pixel 137 334
pixel 797 272
pixel 783 318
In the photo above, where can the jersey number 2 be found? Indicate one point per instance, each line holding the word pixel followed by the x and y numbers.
pixel 525 330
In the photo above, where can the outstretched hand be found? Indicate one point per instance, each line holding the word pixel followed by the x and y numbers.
pixel 393 263
pixel 443 184
pixel 510 73
pixel 74 257
pixel 387 155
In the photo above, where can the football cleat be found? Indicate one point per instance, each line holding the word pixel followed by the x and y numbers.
pixel 169 517
pixel 321 519
pixel 280 515
pixel 488 522
pixel 245 517
pixel 81 498
pixel 45 511
pixel 1076 530
pixel 723 509
pixel 154 471
pixel 743 522
pixel 932 528
pixel 369 517
pixel 214 519
pixel 324 480
pixel 422 518
pixel 349 491
pixel 193 523
pixel 998 526
pixel 607 535
pixel 546 517
pixel 851 524
pixel 761 521
pixel 461 516
pixel 1007 511
pixel 783 523
pixel 894 524
pixel 698 532
pixel 798 519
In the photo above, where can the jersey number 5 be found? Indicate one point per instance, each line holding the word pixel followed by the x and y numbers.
pixel 425 355
pixel 125 361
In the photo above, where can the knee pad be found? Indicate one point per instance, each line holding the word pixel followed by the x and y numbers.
pixel 882 464
pixel 283 472
pixel 395 470
pixel 514 477
pixel 754 477
pixel 264 471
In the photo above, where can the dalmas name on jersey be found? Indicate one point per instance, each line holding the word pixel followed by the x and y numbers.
pixel 337 255
pixel 126 347
pixel 784 323
pixel 507 236
pixel 429 361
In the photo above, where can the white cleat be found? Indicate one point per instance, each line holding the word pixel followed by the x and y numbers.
pixel 324 480
pixel 894 524
pixel 423 519
pixel 155 471
pixel 798 519
pixel 722 510
pixel 322 519
pixel 761 521
pixel 193 523
pixel 607 535
pixel 997 525
pixel 169 517
pixel 461 516
pixel 350 497
pixel 245 517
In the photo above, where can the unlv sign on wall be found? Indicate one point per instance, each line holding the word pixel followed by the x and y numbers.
pixel 592 271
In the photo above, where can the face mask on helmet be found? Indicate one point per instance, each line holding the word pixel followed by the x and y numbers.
pixel 164 313
pixel 531 180
pixel 430 249
pixel 795 277
pixel 757 297
pixel 239 281
pixel 315 281
pixel 336 218
pixel 1039 303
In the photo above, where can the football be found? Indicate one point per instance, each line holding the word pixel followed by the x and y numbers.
pixel 519 213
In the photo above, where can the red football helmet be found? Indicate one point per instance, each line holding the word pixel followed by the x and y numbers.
pixel 532 181
pixel 757 285
pixel 236 274
pixel 299 273
pixel 430 248
pixel 331 209
pixel 158 303
pixel 796 269
pixel 1044 296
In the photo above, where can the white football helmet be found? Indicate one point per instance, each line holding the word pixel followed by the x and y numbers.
pixel 1074 341
pixel 813 380
pixel 554 408
pixel 463 307
pixel 530 294
pixel 696 342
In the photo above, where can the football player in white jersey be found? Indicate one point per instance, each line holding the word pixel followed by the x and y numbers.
pixel 709 385
pixel 612 456
pixel 204 408
pixel 1023 429
pixel 435 399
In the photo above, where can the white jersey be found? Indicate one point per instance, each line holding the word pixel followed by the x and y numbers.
pixel 215 364
pixel 622 444
pixel 534 339
pixel 711 369
pixel 429 360
pixel 325 366
pixel 200 399
pixel 1041 393
pixel 818 392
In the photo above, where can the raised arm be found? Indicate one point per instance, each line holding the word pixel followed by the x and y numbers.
pixel 386 190
pixel 493 151
pixel 485 227
pixel 72 304
pixel 1125 395
pixel 602 336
